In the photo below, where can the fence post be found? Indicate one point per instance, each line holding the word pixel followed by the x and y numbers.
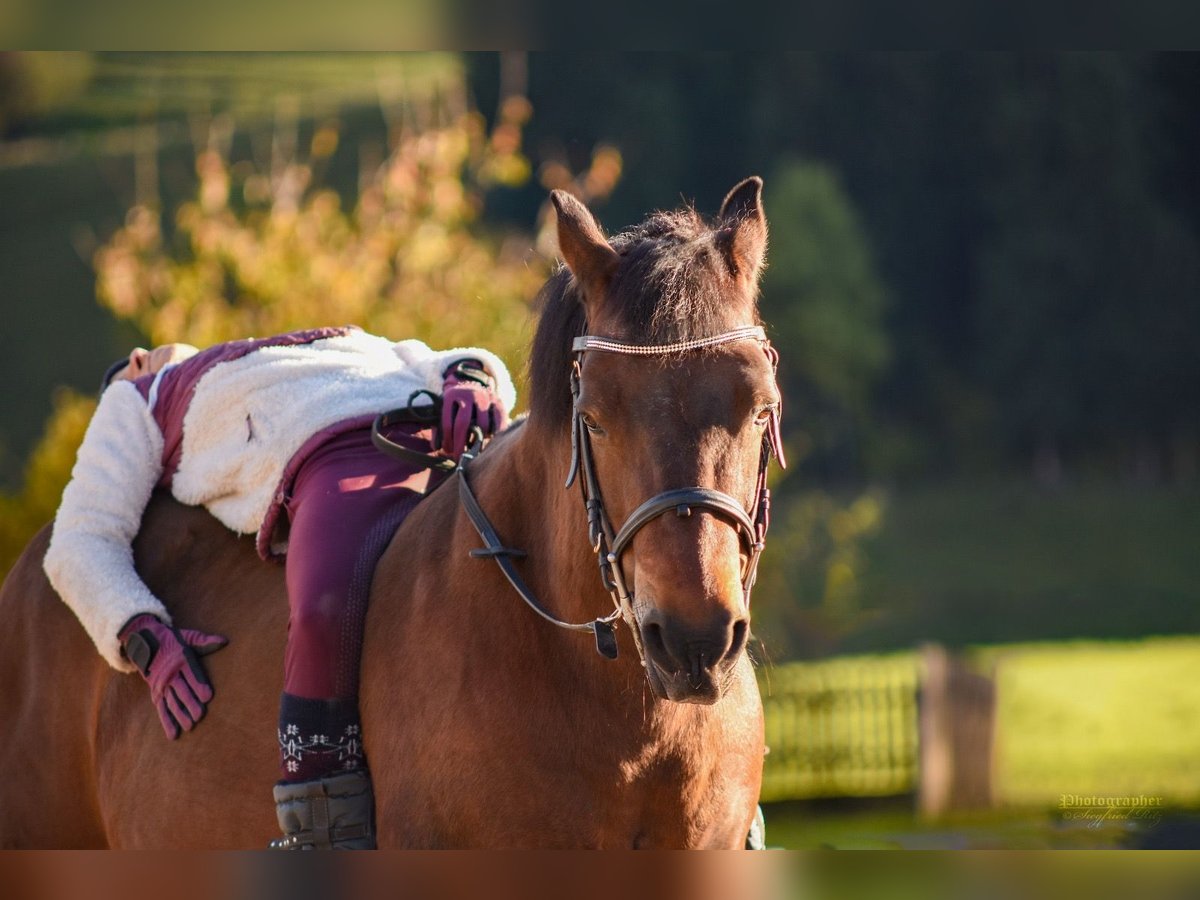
pixel 957 715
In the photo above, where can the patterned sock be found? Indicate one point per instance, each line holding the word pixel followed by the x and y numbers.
pixel 318 738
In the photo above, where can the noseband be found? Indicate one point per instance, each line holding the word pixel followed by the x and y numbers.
pixel 610 544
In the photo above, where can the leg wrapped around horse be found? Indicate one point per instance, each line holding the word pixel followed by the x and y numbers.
pixel 318 737
pixel 346 502
pixel 333 813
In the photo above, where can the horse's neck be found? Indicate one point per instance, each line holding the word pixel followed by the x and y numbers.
pixel 521 488
pixel 463 622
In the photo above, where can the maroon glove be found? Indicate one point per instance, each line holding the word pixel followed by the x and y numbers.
pixel 168 659
pixel 469 399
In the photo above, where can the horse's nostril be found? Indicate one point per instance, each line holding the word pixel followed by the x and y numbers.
pixel 741 632
pixel 652 637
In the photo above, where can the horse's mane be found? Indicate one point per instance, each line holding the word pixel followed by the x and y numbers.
pixel 673 284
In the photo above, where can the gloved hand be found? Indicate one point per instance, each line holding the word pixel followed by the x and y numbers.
pixel 168 659
pixel 469 398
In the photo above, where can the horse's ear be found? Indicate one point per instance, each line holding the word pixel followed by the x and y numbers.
pixel 583 246
pixel 743 229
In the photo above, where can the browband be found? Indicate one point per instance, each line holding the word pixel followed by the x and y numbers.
pixel 745 333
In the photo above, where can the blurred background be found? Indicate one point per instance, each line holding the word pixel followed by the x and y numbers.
pixel 977 616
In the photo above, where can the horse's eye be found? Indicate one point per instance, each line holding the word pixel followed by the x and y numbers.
pixel 591 424
pixel 763 414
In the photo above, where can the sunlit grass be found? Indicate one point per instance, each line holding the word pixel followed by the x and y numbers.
pixel 895 825
pixel 1099 719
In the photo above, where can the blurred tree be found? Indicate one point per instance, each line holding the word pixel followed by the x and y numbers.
pixel 25 511
pixel 264 250
pixel 70 171
pixel 261 250
pixel 1089 285
pixel 808 595
pixel 979 181
pixel 825 305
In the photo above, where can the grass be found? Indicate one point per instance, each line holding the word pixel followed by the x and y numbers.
pixel 893 825
pixel 1004 561
pixel 1098 719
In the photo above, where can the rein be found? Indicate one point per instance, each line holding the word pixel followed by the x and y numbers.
pixel 606 638
pixel 423 414
pixel 426 414
pixel 608 544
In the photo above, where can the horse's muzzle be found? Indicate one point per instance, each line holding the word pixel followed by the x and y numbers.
pixel 687 665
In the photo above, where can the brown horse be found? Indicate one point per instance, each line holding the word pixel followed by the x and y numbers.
pixel 484 725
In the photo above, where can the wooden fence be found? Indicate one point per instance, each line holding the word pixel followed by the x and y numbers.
pixel 841 728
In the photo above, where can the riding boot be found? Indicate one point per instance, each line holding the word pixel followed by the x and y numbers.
pixel 332 813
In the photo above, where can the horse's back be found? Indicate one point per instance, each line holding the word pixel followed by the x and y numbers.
pixel 84 757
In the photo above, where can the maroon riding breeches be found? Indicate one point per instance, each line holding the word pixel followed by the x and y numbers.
pixel 343 507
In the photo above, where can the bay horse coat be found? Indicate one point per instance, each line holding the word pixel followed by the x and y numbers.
pixel 484 726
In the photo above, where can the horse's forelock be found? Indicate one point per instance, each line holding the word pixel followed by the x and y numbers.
pixel 562 319
pixel 674 283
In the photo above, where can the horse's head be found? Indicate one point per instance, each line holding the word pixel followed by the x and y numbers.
pixel 669 437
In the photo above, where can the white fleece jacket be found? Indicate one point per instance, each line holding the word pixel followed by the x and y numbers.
pixel 247 418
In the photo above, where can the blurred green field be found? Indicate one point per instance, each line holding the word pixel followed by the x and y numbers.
pixel 894 825
pixel 1002 561
pixel 1098 719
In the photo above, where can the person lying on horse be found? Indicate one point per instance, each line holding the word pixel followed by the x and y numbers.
pixel 273 437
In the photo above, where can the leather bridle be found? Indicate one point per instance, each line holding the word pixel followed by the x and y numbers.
pixel 608 543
